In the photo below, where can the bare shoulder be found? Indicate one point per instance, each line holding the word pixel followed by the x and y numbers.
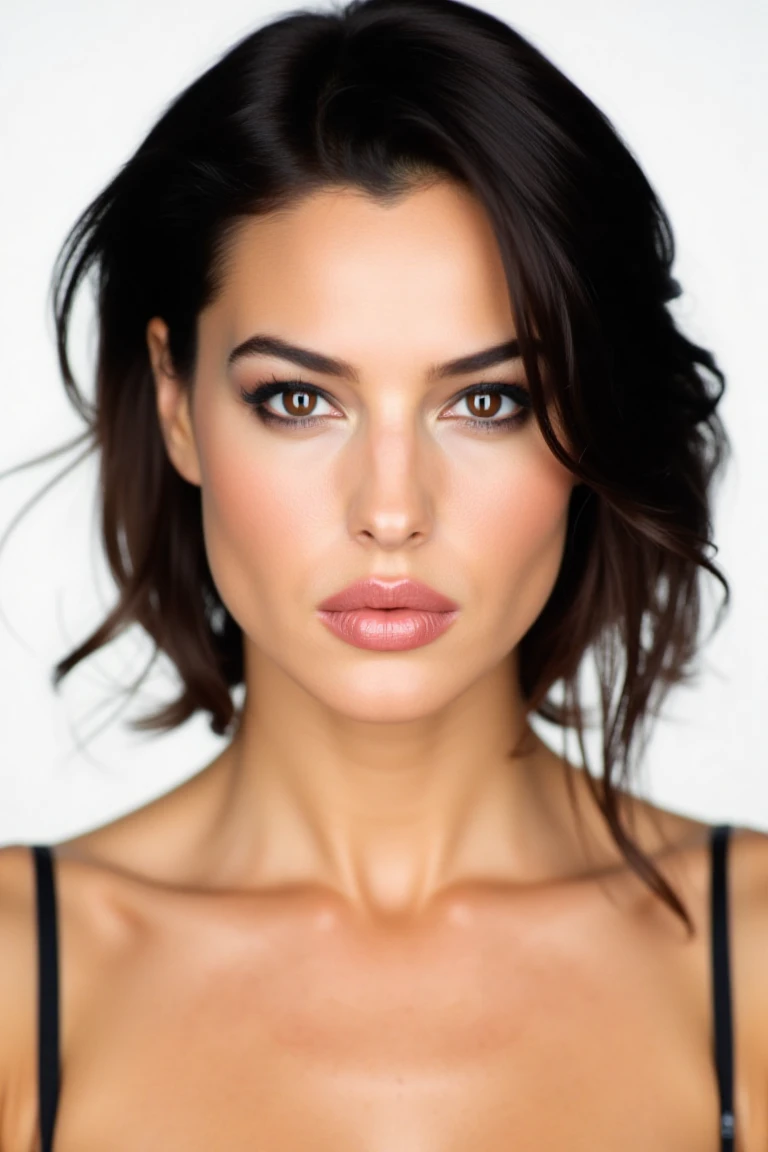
pixel 748 928
pixel 18 983
pixel 682 848
pixel 17 929
pixel 162 841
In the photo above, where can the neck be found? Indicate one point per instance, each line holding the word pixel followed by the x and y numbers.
pixel 386 814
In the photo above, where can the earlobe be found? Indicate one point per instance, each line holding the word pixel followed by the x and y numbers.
pixel 173 409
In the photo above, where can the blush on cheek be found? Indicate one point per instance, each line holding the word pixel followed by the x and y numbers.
pixel 529 547
pixel 259 521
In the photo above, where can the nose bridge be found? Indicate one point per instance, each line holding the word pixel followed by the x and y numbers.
pixel 395 472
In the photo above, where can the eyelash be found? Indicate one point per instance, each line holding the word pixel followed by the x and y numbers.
pixel 263 391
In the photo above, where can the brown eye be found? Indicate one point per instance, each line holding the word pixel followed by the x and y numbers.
pixel 298 402
pixel 303 406
pixel 484 404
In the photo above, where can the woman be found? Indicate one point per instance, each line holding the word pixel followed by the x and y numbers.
pixel 395 427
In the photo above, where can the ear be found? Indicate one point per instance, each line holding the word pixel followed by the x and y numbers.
pixel 172 404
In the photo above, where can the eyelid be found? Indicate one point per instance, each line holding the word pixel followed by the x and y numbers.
pixel 286 384
pixel 259 396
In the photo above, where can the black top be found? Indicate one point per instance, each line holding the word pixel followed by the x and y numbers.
pixel 48 989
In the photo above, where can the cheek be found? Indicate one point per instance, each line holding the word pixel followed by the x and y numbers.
pixel 259 518
pixel 515 526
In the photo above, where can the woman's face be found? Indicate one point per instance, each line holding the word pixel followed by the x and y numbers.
pixel 391 481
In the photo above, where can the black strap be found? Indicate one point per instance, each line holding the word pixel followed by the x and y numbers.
pixel 721 984
pixel 48 993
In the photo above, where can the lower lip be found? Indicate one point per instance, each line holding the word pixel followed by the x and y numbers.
pixel 390 630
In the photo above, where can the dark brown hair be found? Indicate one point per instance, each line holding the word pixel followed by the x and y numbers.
pixel 385 96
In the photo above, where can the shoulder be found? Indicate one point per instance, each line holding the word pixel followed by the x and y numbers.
pixel 747 892
pixel 19 937
pixel 18 986
pixel 747 925
pixel 748 932
pixel 160 842
pixel 687 862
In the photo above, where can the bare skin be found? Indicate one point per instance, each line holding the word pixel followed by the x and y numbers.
pixel 365 926
pixel 568 1012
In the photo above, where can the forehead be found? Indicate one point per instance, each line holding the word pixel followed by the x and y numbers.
pixel 341 253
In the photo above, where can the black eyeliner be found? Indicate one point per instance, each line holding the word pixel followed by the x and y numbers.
pixel 257 397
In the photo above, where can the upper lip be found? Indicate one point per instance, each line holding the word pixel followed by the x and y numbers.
pixel 376 593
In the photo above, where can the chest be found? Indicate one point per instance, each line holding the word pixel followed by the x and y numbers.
pixel 486 1034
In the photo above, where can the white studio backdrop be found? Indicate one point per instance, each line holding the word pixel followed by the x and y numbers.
pixel 685 84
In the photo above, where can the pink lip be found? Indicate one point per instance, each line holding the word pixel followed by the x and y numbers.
pixel 388 630
pixel 388 594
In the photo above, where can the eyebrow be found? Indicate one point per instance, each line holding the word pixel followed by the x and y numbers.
pixel 263 345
